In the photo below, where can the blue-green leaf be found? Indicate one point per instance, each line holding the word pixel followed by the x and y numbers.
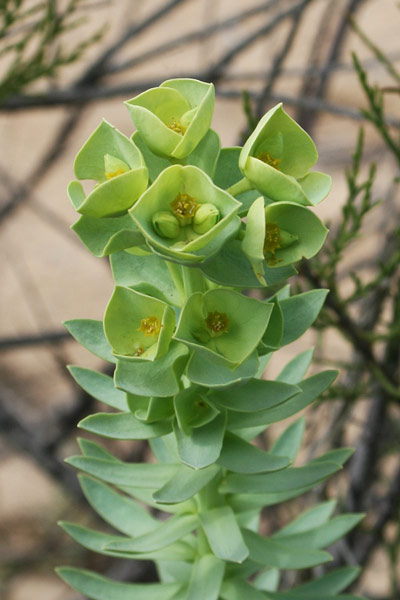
pixel 202 446
pixel 325 534
pixel 238 589
pixel 282 555
pixel 240 457
pixel 148 274
pixel 143 475
pixel 311 389
pixel 289 442
pixel 254 395
pixel 99 542
pixel 267 581
pixel 158 378
pixel 184 484
pixel 300 312
pixel 223 534
pixel 121 512
pixel 90 334
pixel 281 481
pixel 165 534
pixel 332 583
pixel 206 579
pixel 123 426
pixel 96 587
pixel 213 372
pixel 296 369
pixel 315 516
pixel 99 386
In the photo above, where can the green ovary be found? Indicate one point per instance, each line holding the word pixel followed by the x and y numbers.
pixel 217 323
pixel 266 158
pixel 184 208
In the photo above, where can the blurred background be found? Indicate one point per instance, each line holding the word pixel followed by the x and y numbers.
pixel 66 64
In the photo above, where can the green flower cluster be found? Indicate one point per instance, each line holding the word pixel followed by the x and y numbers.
pixel 190 227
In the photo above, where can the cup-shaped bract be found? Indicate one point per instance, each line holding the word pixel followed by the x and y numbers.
pixel 138 327
pixel 116 164
pixel 280 234
pixel 173 118
pixel 223 323
pixel 181 192
pixel 277 158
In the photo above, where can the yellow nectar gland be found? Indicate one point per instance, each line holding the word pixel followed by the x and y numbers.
pixel 267 158
pixel 177 127
pixel 184 207
pixel 138 352
pixel 217 322
pixel 150 326
pixel 272 238
pixel 111 174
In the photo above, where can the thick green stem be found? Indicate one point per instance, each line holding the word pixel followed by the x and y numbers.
pixel 193 280
pixel 176 274
pixel 244 185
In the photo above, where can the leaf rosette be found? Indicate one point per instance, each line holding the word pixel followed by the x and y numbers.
pixel 116 164
pixel 173 118
pixel 138 327
pixel 184 216
pixel 280 234
pixel 224 324
pixel 277 158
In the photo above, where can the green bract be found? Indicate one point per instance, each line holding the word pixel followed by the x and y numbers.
pixel 277 158
pixel 137 326
pixel 201 303
pixel 173 118
pixel 280 234
pixel 114 162
pixel 167 214
pixel 224 323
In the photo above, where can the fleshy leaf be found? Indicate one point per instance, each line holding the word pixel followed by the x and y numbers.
pixel 281 481
pixel 158 378
pixel 123 426
pixel 202 446
pixel 300 312
pixel 97 587
pixel 106 236
pixel 206 579
pixel 90 334
pixel 240 457
pixel 211 371
pixel 123 513
pixel 282 555
pixel 166 533
pixel 223 534
pixel 254 395
pixel 184 484
pixel 99 386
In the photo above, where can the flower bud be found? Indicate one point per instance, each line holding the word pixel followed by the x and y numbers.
pixel 166 224
pixel 207 215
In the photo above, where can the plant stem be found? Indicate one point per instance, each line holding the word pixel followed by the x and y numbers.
pixel 193 280
pixel 244 185
pixel 176 274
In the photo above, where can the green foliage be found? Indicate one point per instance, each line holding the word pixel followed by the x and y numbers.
pixel 34 45
pixel 190 348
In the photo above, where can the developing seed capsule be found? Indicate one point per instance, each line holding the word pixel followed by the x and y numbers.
pixel 184 208
pixel 217 323
pixel 166 224
pixel 206 216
